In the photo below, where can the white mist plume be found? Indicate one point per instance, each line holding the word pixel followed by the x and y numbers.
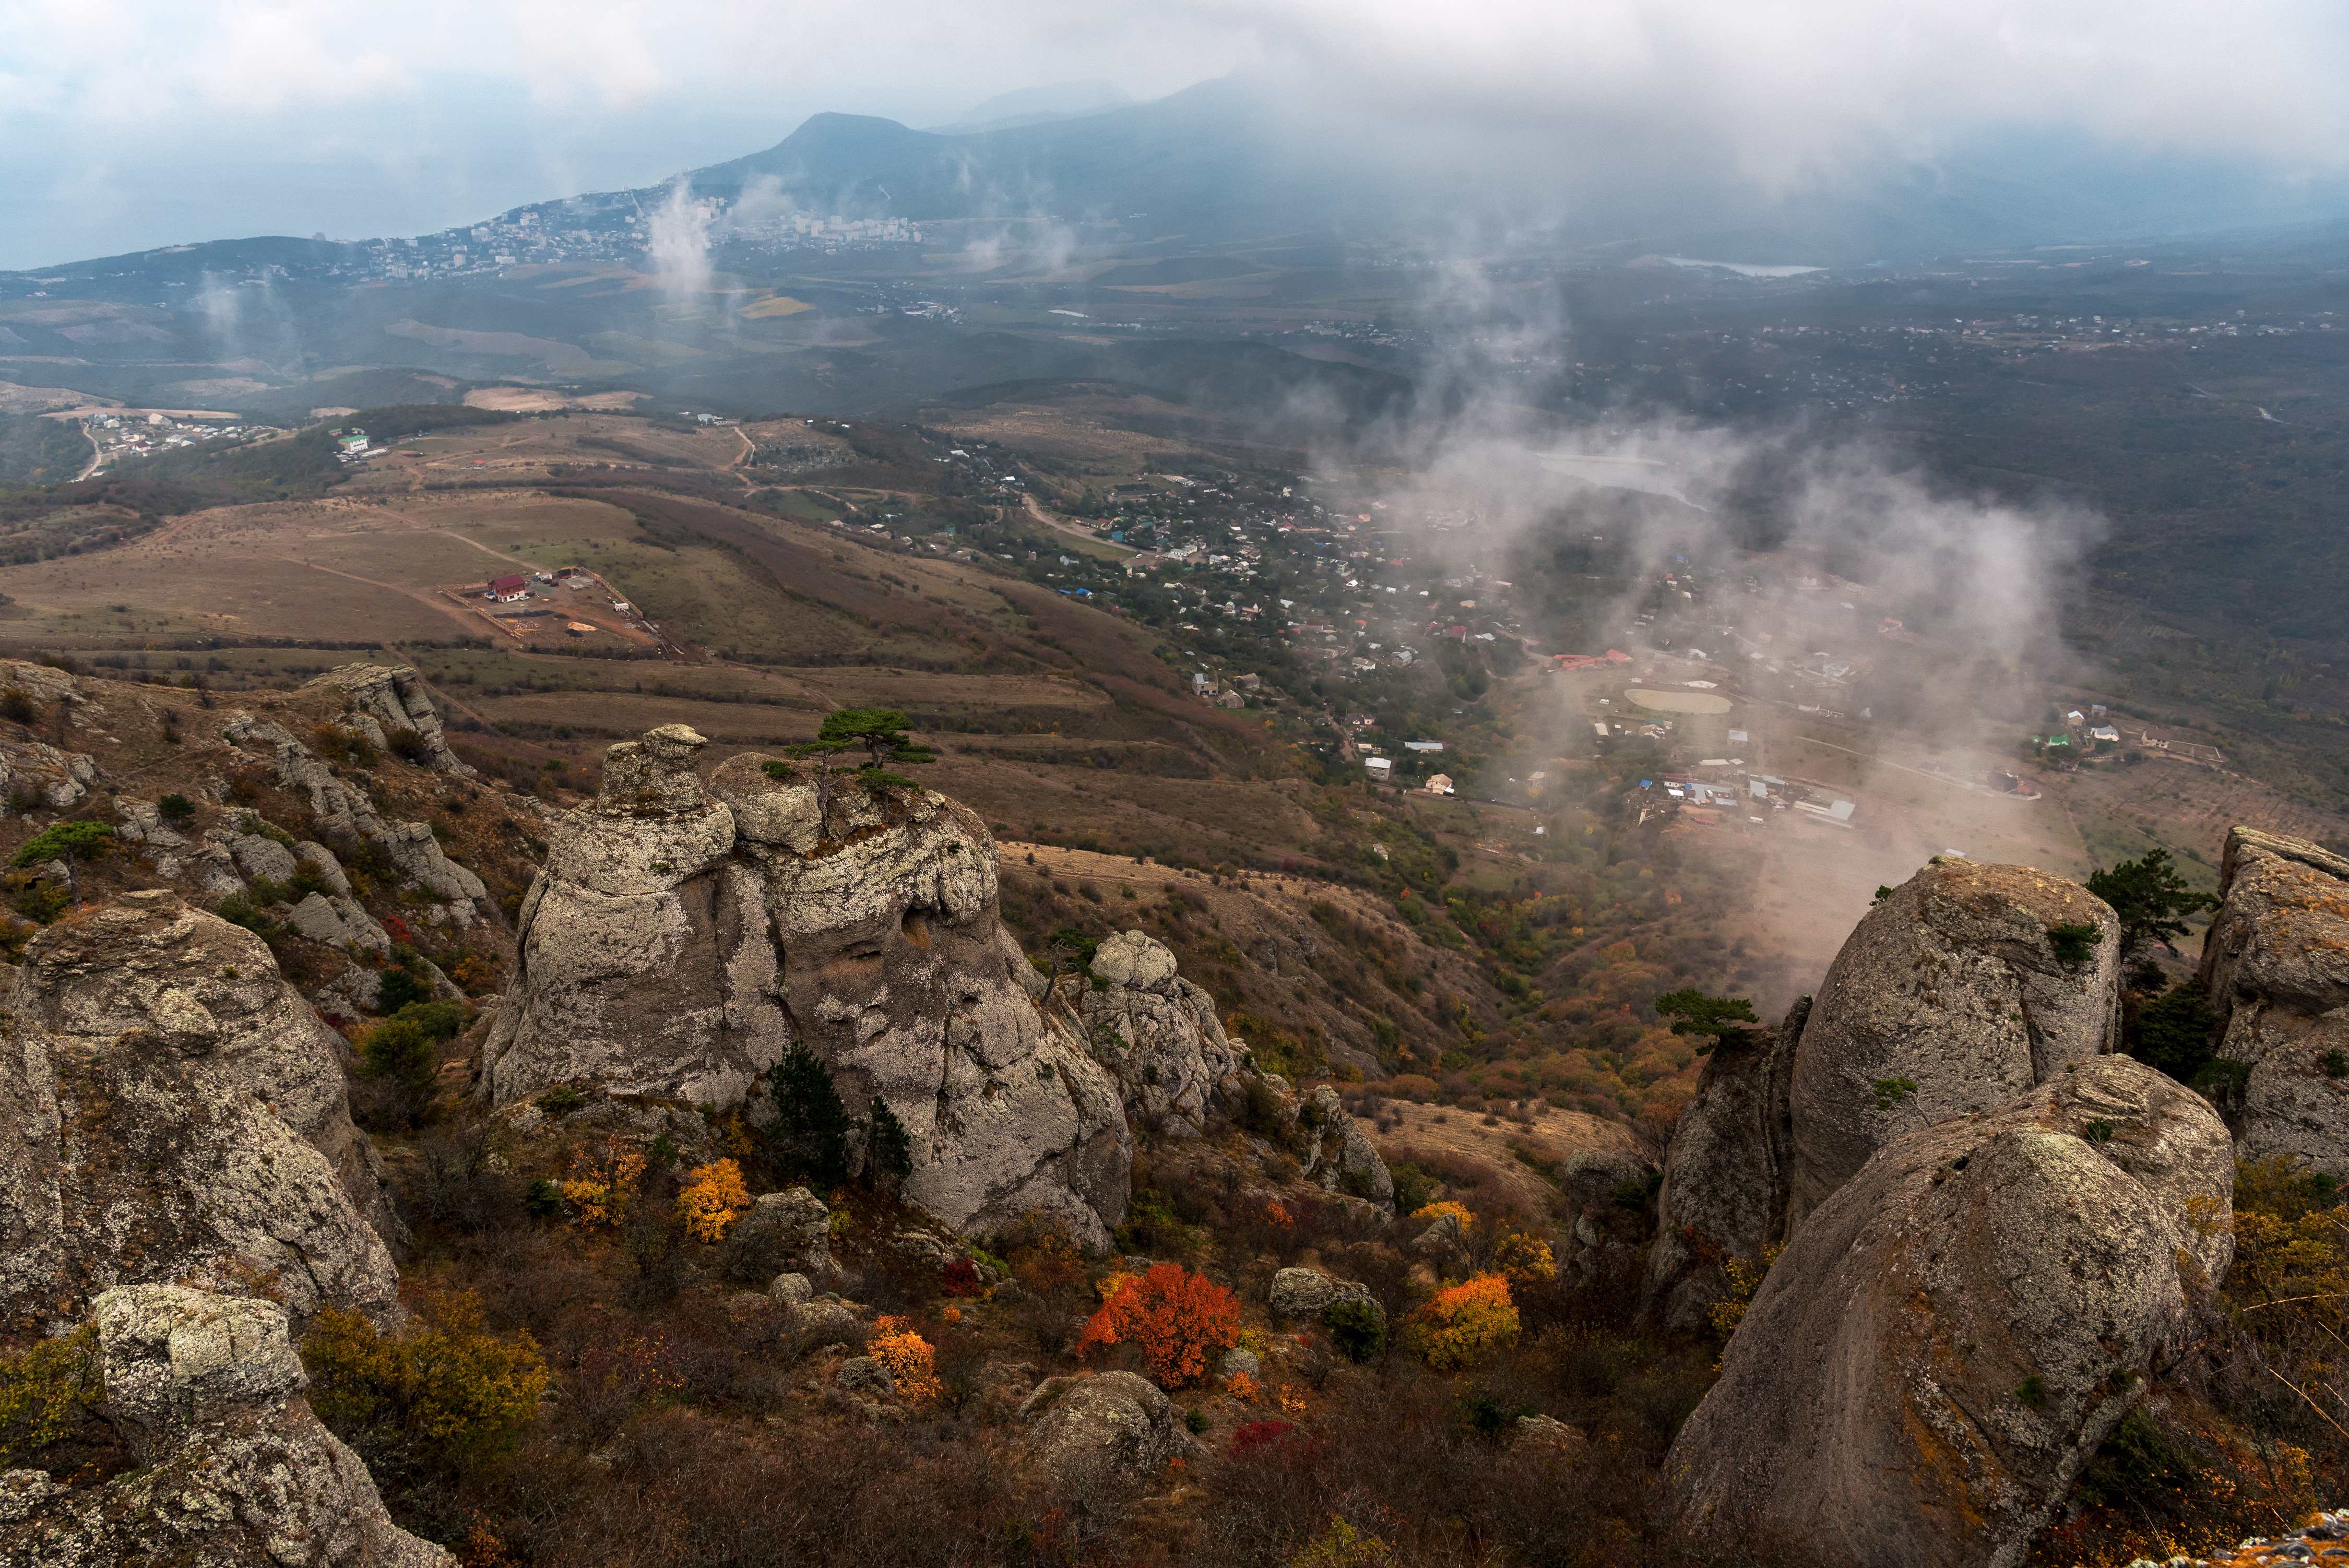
pixel 677 239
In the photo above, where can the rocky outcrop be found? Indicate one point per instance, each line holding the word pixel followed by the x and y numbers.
pixel 232 1467
pixel 170 1109
pixel 1338 1154
pixel 346 811
pixel 639 956
pixel 1306 1294
pixel 1933 1360
pixel 1098 1437
pixel 781 1235
pixel 1725 1184
pixel 209 992
pixel 1157 1034
pixel 681 938
pixel 2276 964
pixel 383 703
pixel 1953 983
pixel 36 776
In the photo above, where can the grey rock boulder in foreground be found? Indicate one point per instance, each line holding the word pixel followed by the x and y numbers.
pixel 234 1468
pixel 171 1110
pixel 2276 961
pixel 1934 1359
pixel 683 936
pixel 1953 983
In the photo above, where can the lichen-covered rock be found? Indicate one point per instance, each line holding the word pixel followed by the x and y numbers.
pixel 781 1233
pixel 1338 1155
pixel 1725 1185
pixel 206 994
pixel 1302 1292
pixel 258 855
pixel 681 938
pixel 38 773
pixel 1937 1354
pixel 234 1468
pixel 622 976
pixel 1157 1034
pixel 1097 1436
pixel 1953 983
pixel 2276 963
pixel 382 702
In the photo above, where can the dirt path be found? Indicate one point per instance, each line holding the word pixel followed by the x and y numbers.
pixel 422 596
pixel 1071 529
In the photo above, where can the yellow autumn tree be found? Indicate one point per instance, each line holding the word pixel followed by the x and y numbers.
pixel 1461 1323
pixel 909 1357
pixel 713 1198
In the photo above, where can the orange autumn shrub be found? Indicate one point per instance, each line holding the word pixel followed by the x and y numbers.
pixel 1241 1386
pixel 1525 1258
pixel 1462 1322
pixel 602 1182
pixel 1437 1211
pixel 1178 1319
pixel 713 1198
pixel 909 1356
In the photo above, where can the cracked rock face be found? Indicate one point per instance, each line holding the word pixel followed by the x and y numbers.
pixel 383 701
pixel 170 1108
pixel 682 937
pixel 1725 1192
pixel 1158 1035
pixel 1098 1436
pixel 233 1468
pixel 1952 983
pixel 2276 962
pixel 1871 1403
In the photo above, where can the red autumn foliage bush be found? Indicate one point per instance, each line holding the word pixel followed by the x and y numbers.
pixel 1176 1318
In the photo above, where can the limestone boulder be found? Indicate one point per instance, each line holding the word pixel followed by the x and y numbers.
pixel 781 1236
pixel 622 976
pixel 1304 1295
pixel 683 936
pixel 233 1468
pixel 382 701
pixel 1953 983
pixel 2276 963
pixel 41 774
pixel 1097 1438
pixel 257 855
pixel 207 994
pixel 1935 1357
pixel 1725 1182
pixel 1156 1034
pixel 1339 1154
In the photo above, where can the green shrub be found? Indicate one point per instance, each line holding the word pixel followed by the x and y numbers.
pixel 399 989
pixel 176 808
pixel 2174 1032
pixel 402 1050
pixel 889 1153
pixel 1355 1328
pixel 2033 1392
pixel 809 1135
pixel 1414 1188
pixel 1198 1420
pixel 447 1390
pixel 2075 944
pixel 45 1391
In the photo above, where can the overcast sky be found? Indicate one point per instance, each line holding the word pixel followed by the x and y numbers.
pixel 129 125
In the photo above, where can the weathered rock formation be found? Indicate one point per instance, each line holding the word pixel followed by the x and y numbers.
pixel 348 812
pixel 234 1468
pixel 1952 983
pixel 1725 1192
pixel 170 1109
pixel 1157 1034
pixel 1096 1436
pixel 681 938
pixel 1338 1154
pixel 1307 1294
pixel 1928 1368
pixel 2276 963
pixel 383 703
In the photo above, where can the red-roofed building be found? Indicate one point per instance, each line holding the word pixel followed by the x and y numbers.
pixel 506 590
